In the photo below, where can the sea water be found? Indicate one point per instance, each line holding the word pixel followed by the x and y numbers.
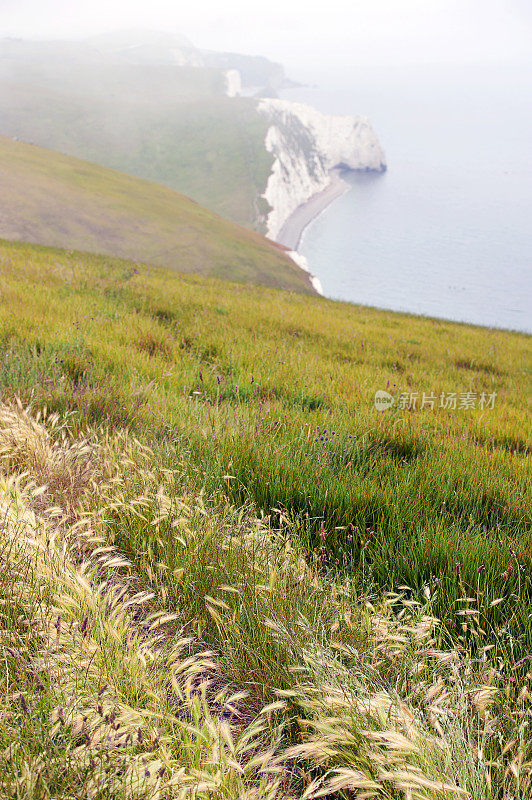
pixel 447 230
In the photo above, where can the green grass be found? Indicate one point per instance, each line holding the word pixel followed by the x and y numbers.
pixel 276 391
pixel 223 439
pixel 168 124
pixel 58 200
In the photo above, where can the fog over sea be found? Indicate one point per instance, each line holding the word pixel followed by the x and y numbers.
pixel 447 231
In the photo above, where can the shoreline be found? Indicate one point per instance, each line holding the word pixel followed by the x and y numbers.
pixel 292 231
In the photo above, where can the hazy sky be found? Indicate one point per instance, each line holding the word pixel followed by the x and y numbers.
pixel 301 31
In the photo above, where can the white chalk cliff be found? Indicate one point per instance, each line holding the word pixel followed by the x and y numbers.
pixel 302 263
pixel 233 82
pixel 306 145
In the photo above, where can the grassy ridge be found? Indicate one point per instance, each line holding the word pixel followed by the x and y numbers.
pixel 168 124
pixel 269 398
pixel 58 200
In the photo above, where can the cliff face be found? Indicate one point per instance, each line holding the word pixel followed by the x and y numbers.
pixel 255 71
pixel 306 145
pixel 233 82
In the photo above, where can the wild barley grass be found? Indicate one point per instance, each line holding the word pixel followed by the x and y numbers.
pixel 102 673
pixel 125 691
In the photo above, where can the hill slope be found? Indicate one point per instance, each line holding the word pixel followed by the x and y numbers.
pixel 225 525
pixel 166 122
pixel 48 198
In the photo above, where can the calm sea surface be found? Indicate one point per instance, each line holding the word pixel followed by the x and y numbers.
pixel 447 231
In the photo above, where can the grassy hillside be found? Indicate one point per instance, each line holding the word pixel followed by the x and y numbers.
pixel 336 600
pixel 58 200
pixel 167 123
